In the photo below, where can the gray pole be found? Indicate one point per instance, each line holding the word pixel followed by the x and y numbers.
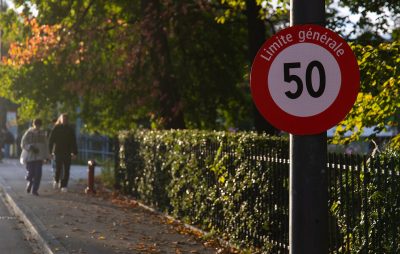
pixel 1 32
pixel 308 208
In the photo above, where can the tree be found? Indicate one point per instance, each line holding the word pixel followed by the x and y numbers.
pixel 378 102
pixel 256 37
pixel 126 63
pixel 135 63
pixel 262 20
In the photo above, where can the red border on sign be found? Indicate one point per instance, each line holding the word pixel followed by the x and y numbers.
pixel 350 84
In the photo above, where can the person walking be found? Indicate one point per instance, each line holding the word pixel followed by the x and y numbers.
pixel 35 147
pixel 8 141
pixel 52 160
pixel 62 145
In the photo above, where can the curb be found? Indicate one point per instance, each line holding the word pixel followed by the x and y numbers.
pixel 46 241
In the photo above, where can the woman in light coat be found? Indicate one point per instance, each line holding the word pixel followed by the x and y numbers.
pixel 35 149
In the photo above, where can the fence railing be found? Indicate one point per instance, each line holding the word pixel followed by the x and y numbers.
pixel 364 204
pixel 364 193
pixel 95 147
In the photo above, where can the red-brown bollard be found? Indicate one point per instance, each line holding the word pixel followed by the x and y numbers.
pixel 90 188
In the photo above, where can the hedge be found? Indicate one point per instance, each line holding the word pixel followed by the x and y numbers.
pixel 236 185
pixel 212 180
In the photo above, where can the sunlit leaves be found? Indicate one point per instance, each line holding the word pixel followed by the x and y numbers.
pixel 378 103
pixel 30 74
pixel 269 10
pixel 37 46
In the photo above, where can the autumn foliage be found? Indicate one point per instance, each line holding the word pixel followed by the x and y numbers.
pixel 38 46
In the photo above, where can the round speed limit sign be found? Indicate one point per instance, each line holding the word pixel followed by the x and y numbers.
pixel 305 79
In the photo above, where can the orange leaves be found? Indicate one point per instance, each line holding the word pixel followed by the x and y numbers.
pixel 123 201
pixel 147 248
pixel 38 46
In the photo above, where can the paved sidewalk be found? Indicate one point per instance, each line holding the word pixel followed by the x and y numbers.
pixel 74 222
pixel 11 234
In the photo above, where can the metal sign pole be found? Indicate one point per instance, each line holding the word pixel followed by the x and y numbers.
pixel 308 209
pixel 1 32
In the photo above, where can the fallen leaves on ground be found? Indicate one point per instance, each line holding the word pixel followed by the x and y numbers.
pixel 148 248
pixel 129 203
pixel 124 202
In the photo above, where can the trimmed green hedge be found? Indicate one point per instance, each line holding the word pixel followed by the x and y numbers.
pixel 236 185
pixel 222 182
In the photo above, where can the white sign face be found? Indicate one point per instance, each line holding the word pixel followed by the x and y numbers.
pixel 304 79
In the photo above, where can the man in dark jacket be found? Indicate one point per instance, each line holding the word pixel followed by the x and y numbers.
pixel 62 145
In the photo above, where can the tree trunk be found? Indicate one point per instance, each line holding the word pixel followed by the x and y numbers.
pixel 170 111
pixel 256 37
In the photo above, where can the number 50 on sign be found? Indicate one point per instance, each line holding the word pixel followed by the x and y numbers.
pixel 305 79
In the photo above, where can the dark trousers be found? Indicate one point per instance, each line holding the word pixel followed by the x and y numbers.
pixel 34 169
pixel 63 165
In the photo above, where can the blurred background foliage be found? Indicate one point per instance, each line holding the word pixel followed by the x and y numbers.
pixel 126 64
